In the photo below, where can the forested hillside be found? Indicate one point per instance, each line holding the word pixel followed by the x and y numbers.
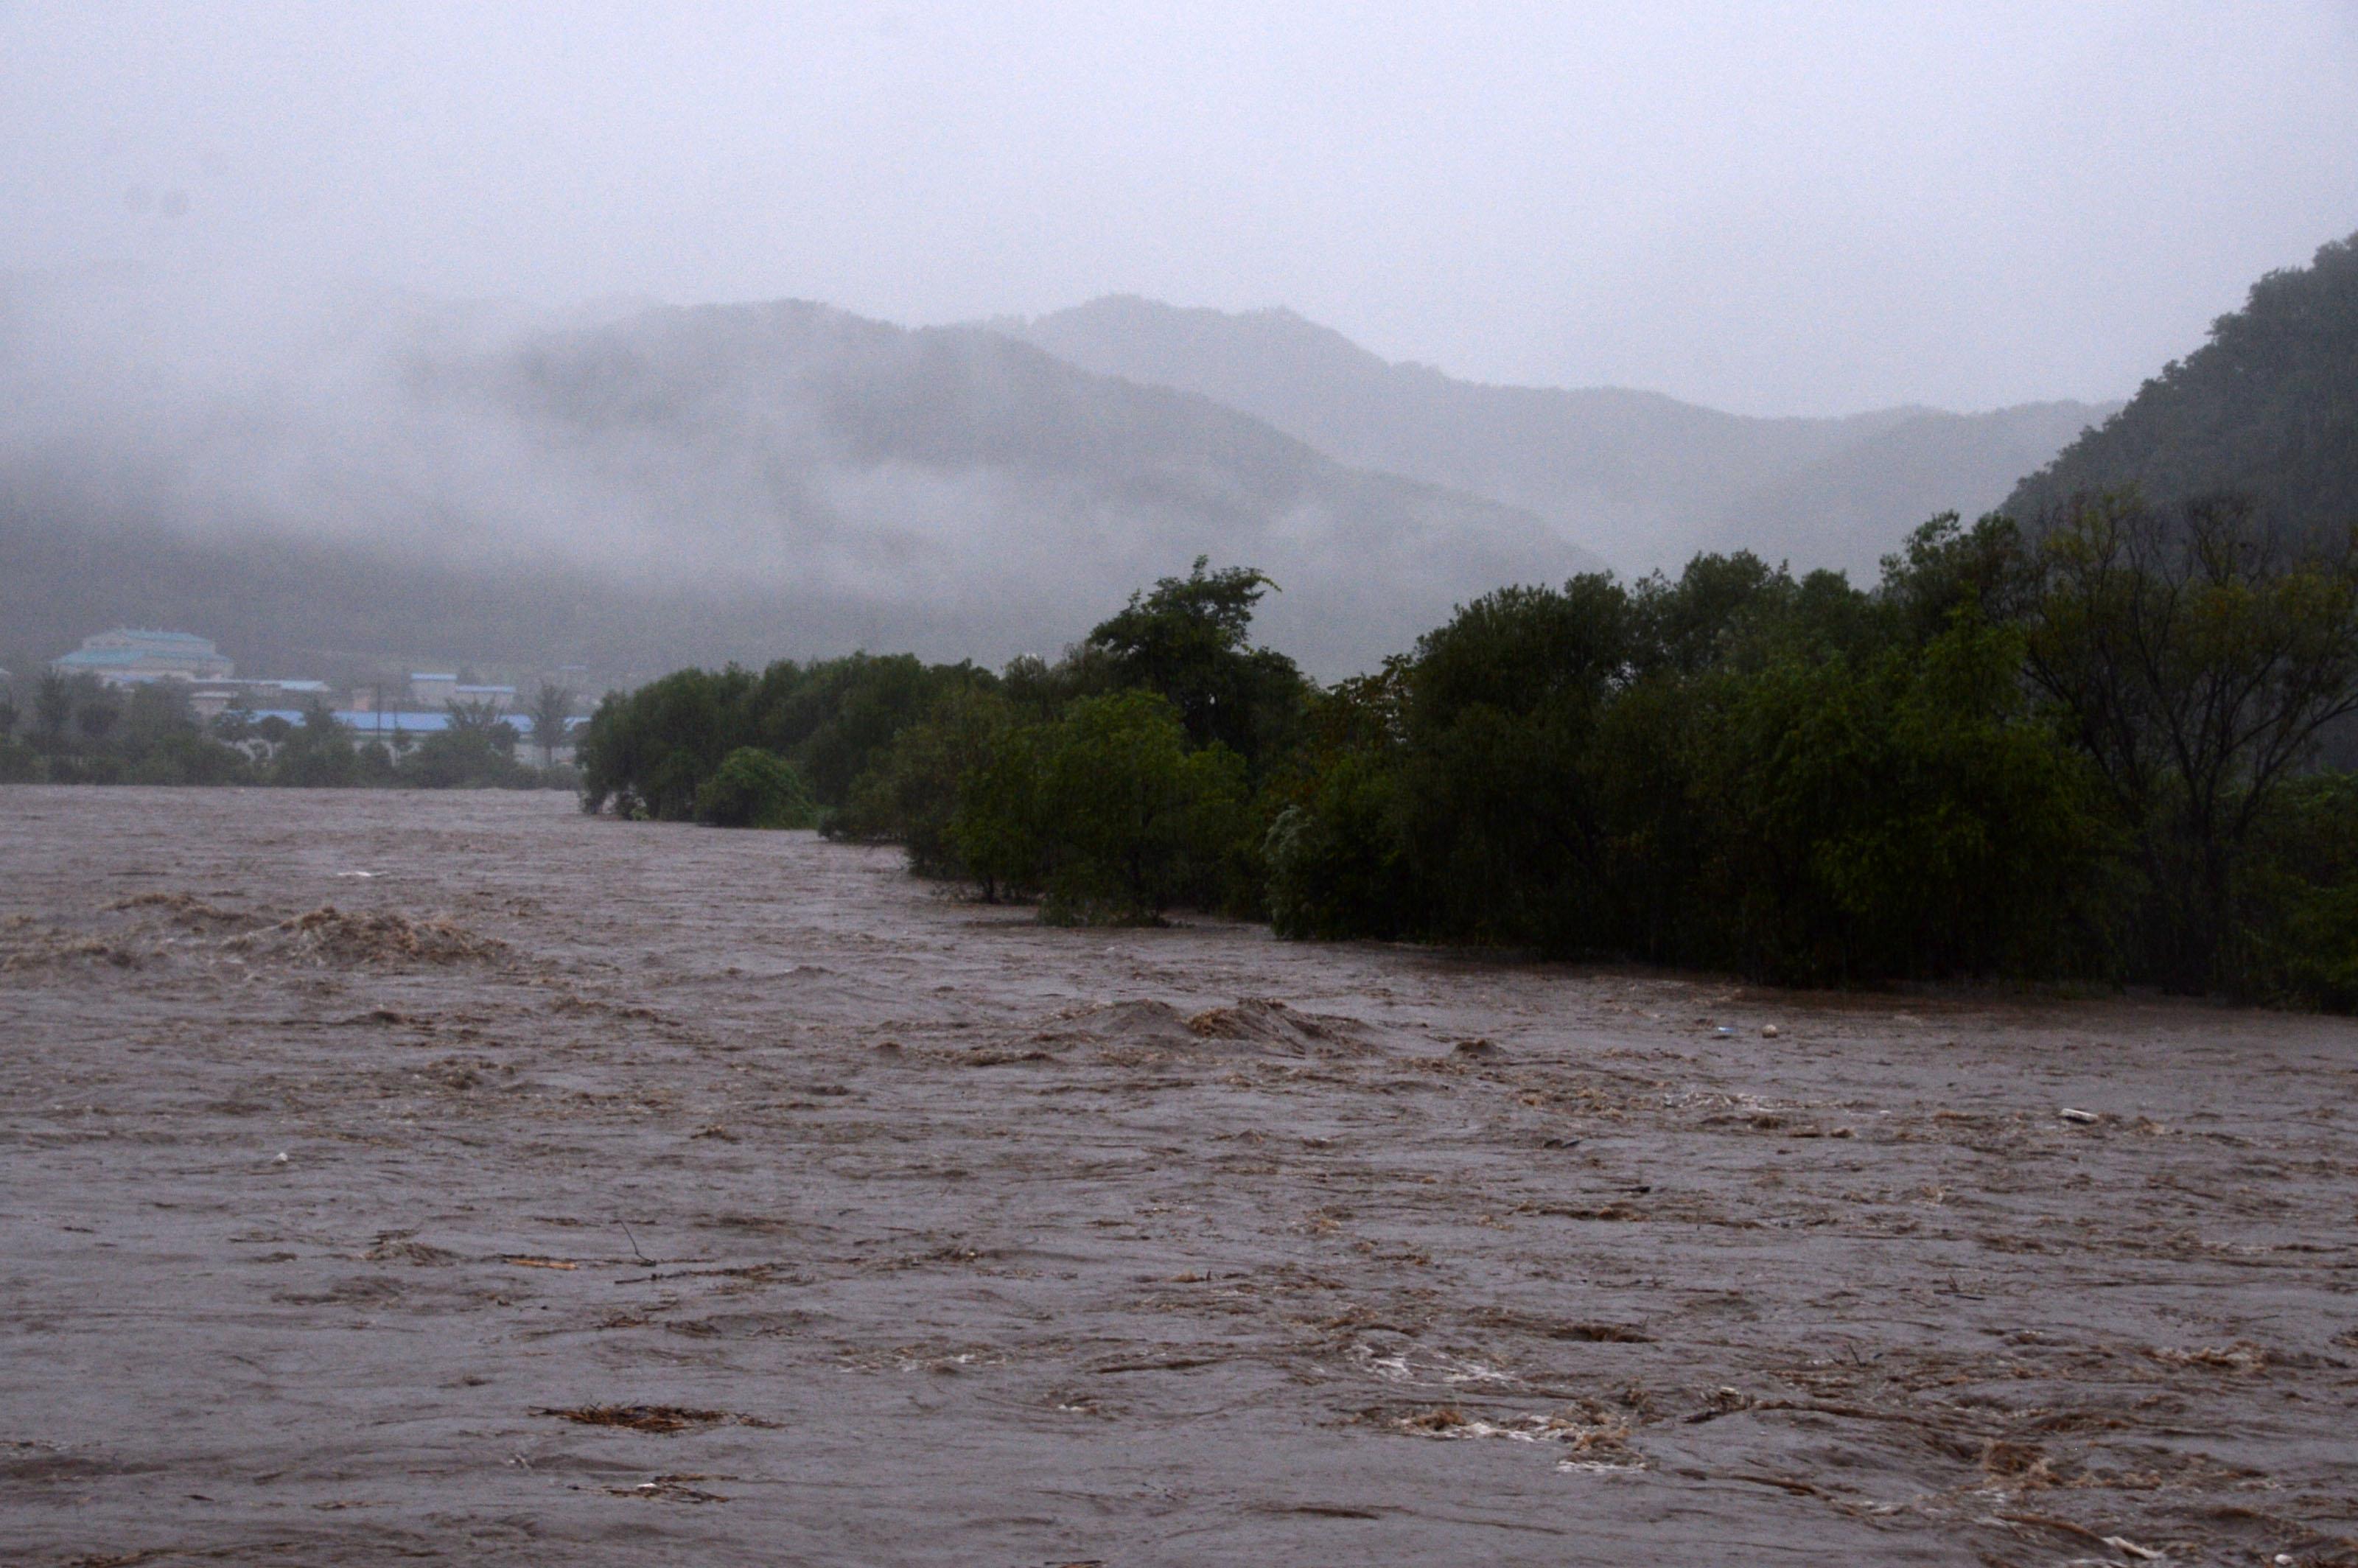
pixel 2266 409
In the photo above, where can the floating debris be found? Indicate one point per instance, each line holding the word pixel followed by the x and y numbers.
pixel 660 1418
pixel 1594 1443
pixel 329 934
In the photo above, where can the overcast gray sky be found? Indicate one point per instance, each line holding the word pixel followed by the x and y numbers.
pixel 1778 209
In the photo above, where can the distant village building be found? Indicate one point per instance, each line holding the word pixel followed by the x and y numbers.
pixel 128 656
pixel 429 690
pixel 434 691
pixel 208 698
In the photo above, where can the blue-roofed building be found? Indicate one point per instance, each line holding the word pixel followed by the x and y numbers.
pixel 396 729
pixel 368 723
pixel 128 656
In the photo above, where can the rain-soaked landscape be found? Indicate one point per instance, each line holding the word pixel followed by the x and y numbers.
pixel 453 1176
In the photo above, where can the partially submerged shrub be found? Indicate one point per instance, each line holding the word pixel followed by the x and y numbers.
pixel 1106 812
pixel 753 788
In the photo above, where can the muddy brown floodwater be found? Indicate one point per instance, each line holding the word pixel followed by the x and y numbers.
pixel 452 1176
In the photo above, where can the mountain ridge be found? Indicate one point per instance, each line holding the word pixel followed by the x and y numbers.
pixel 1640 477
pixel 2266 408
pixel 926 484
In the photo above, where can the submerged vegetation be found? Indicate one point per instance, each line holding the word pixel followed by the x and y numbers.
pixel 2108 744
pixel 2089 751
pixel 2104 745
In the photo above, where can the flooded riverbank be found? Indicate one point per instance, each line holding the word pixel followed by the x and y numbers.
pixel 401 1175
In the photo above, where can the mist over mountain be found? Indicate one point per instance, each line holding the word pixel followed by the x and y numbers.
pixel 1850 508
pixel 2267 408
pixel 1643 479
pixel 635 486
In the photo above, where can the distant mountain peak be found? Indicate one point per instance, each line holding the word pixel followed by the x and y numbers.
pixel 1640 477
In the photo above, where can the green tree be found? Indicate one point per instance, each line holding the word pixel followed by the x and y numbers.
pixel 649 751
pixel 911 794
pixel 1188 639
pixel 551 717
pixel 753 788
pixel 97 707
pixel 2297 897
pixel 1137 821
pixel 1335 854
pixel 317 753
pixel 159 708
pixel 1107 811
pixel 2197 656
pixel 1945 566
pixel 483 719
pixel 53 706
pixel 234 723
pixel 1500 797
pixel 187 757
pixel 1899 812
pixel 470 755
pixel 1683 625
pixel 843 714
pixel 999 829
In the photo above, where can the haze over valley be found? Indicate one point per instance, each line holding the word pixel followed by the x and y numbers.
pixel 672 483
pixel 396 333
pixel 366 473
pixel 1643 479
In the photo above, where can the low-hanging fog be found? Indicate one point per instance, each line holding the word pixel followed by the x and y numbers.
pixel 633 336
pixel 816 479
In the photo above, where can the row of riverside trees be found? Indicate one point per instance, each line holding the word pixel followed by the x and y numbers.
pixel 2091 751
pixel 77 729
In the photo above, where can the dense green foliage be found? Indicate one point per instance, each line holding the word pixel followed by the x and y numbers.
pixel 1107 811
pixel 2267 409
pixel 753 788
pixel 1791 779
pixel 2198 663
pixel 2088 753
pixel 2296 916
pixel 2073 756
pixel 911 793
pixel 1110 785
pixel 1119 781
pixel 1186 641
pixel 650 753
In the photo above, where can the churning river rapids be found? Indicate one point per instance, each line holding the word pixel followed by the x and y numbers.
pixel 455 1177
